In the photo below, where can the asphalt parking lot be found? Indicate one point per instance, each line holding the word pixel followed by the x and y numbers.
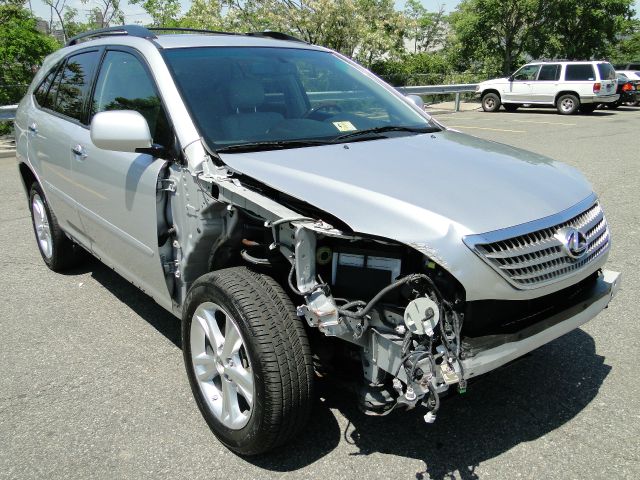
pixel 92 383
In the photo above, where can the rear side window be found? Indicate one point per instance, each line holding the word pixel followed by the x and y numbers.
pixel 74 84
pixel 41 93
pixel 124 84
pixel 606 71
pixel 579 71
pixel 549 72
pixel 634 66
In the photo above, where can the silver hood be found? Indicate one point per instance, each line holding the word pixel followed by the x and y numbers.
pixel 427 191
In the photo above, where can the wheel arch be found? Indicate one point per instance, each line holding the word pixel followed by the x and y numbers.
pixel 490 90
pixel 565 92
pixel 27 176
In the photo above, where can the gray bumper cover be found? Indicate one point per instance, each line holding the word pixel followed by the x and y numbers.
pixel 490 359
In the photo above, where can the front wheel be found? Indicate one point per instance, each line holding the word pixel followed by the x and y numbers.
pixel 491 102
pixel 567 104
pixel 248 359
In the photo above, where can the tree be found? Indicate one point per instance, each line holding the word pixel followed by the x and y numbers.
pixel 580 29
pixel 205 14
pixel 164 13
pixel 495 28
pixel 425 29
pixel 22 49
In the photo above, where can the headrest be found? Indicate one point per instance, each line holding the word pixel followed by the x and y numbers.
pixel 245 93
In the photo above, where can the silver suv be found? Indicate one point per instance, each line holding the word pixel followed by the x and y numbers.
pixel 303 218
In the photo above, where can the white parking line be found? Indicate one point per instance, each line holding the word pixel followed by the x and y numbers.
pixel 487 128
pixel 545 123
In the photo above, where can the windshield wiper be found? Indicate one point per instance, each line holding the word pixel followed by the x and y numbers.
pixel 270 145
pixel 387 128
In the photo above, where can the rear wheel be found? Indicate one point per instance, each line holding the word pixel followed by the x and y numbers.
pixel 491 102
pixel 511 107
pixel 248 359
pixel 567 104
pixel 58 252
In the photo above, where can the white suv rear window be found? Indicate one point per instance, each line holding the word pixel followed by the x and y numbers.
pixel 579 71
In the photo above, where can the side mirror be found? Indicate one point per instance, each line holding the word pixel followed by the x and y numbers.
pixel 416 100
pixel 511 78
pixel 120 131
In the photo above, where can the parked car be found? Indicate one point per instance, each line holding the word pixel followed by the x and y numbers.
pixel 568 86
pixel 634 77
pixel 628 91
pixel 628 66
pixel 302 217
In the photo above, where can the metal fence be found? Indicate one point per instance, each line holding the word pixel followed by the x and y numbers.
pixel 8 112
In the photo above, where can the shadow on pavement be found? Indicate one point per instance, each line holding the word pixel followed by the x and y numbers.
pixel 516 404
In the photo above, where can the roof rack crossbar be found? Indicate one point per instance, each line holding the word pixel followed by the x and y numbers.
pixel 133 30
pixel 194 30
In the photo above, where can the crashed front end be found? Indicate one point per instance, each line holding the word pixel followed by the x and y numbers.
pixel 417 330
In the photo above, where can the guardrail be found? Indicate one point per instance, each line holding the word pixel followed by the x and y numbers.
pixel 457 89
pixel 8 112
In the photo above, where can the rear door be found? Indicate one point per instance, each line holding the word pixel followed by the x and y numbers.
pixel 545 87
pixel 119 204
pixel 608 79
pixel 59 116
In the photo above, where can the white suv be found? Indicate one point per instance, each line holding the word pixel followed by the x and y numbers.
pixel 568 86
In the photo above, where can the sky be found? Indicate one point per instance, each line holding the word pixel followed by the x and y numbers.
pixel 136 14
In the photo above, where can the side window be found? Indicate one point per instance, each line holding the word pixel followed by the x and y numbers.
pixel 579 71
pixel 124 84
pixel 75 81
pixel 549 73
pixel 41 93
pixel 634 66
pixel 527 73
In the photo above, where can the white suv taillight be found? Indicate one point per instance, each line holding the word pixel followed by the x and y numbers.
pixel 596 87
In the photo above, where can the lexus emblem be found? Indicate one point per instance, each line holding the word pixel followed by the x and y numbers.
pixel 573 241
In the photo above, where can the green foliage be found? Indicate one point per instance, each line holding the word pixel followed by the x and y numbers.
pixel 22 49
pixel 579 29
pixel 164 13
pixel 628 50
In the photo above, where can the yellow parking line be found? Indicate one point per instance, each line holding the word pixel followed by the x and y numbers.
pixel 545 123
pixel 487 128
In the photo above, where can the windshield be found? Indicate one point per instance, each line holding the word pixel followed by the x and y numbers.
pixel 274 97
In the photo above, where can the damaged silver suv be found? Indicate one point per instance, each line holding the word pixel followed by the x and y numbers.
pixel 302 218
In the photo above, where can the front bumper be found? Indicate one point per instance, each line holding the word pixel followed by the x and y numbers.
pixel 537 335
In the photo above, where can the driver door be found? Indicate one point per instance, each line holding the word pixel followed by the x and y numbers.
pixel 520 89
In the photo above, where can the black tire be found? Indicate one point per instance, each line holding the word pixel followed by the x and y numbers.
pixel 491 102
pixel 567 104
pixel 278 350
pixel 511 107
pixel 64 253
pixel 588 108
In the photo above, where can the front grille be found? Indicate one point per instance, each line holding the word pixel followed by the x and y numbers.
pixel 537 258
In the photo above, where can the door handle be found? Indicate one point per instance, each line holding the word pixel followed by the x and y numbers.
pixel 33 128
pixel 79 151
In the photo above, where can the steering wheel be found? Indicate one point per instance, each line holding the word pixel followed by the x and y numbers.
pixel 322 106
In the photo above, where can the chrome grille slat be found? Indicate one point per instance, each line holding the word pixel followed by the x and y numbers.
pixel 537 258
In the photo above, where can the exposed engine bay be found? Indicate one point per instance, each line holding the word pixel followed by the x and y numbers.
pixel 399 313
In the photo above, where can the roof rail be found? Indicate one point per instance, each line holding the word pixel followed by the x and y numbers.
pixel 132 30
pixel 193 30
pixel 275 35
